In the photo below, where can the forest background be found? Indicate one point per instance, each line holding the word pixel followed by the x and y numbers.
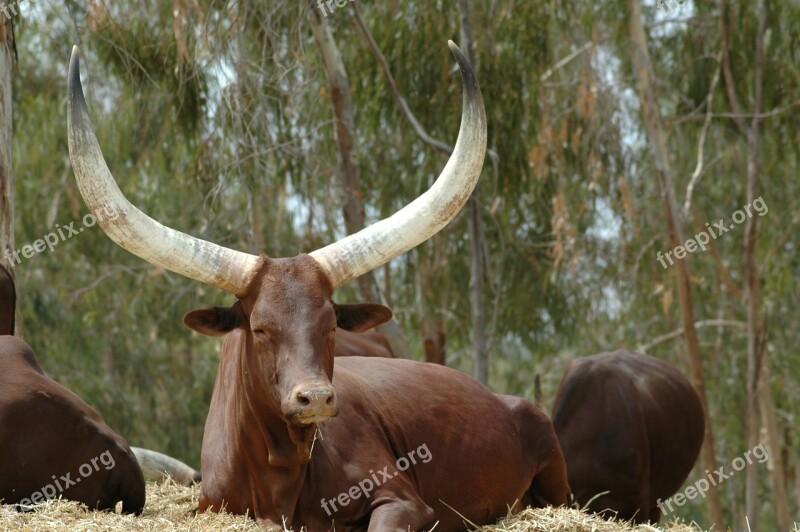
pixel 617 131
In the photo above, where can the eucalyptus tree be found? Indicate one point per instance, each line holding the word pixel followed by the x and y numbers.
pixel 215 117
pixel 7 57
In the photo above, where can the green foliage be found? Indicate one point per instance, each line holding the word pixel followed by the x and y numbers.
pixel 215 119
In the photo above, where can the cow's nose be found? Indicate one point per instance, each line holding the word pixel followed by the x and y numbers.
pixel 316 398
pixel 312 404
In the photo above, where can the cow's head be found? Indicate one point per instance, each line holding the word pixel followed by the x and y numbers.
pixel 284 308
pixel 289 320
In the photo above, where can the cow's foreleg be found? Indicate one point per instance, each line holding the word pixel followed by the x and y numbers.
pixel 400 513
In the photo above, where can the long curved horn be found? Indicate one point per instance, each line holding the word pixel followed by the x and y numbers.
pixel 157 466
pixel 415 223
pixel 132 229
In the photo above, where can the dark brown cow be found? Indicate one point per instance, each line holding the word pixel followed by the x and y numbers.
pixel 366 344
pixel 630 425
pixel 53 444
pixel 273 446
pixel 8 302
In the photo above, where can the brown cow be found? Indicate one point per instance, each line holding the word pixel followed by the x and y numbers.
pixel 8 302
pixel 277 394
pixel 630 425
pixel 366 344
pixel 53 444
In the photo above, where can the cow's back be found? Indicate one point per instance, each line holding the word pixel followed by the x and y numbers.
pixel 48 433
pixel 629 424
pixel 367 344
pixel 8 302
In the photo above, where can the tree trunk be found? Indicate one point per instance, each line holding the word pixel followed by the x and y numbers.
pixel 7 56
pixel 776 467
pixel 789 435
pixel 477 275
pixel 752 293
pixel 475 228
pixel 349 176
pixel 255 244
pixel 645 82
pixel 434 337
pixel 759 391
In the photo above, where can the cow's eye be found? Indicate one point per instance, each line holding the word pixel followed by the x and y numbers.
pixel 260 332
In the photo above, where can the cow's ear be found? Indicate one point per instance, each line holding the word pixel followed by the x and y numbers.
pixel 361 317
pixel 215 321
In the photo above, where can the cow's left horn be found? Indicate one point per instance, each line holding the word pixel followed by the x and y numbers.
pixel 157 466
pixel 132 229
pixel 379 243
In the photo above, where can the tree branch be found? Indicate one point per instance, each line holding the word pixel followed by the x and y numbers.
pixel 726 70
pixel 698 170
pixel 642 348
pixel 436 144
pixel 399 100
pixel 565 60
pixel 767 114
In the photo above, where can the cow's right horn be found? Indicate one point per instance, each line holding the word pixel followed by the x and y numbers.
pixel 355 255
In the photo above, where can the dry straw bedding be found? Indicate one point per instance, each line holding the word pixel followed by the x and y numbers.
pixel 171 507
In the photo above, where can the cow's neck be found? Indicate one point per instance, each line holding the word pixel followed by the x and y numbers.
pixel 274 453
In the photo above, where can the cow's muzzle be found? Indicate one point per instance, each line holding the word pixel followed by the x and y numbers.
pixel 309 404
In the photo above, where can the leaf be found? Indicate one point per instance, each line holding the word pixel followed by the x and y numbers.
pixel 666 301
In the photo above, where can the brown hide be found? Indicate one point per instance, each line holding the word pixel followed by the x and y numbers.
pixel 367 344
pixel 50 437
pixel 629 424
pixel 8 302
pixel 488 451
pixel 256 467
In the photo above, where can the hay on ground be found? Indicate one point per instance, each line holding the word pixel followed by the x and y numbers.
pixel 172 507
pixel 571 520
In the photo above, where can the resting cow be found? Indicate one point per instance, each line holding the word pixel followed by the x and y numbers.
pixel 273 444
pixel 52 444
pixel 630 425
pixel 366 344
pixel 8 302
